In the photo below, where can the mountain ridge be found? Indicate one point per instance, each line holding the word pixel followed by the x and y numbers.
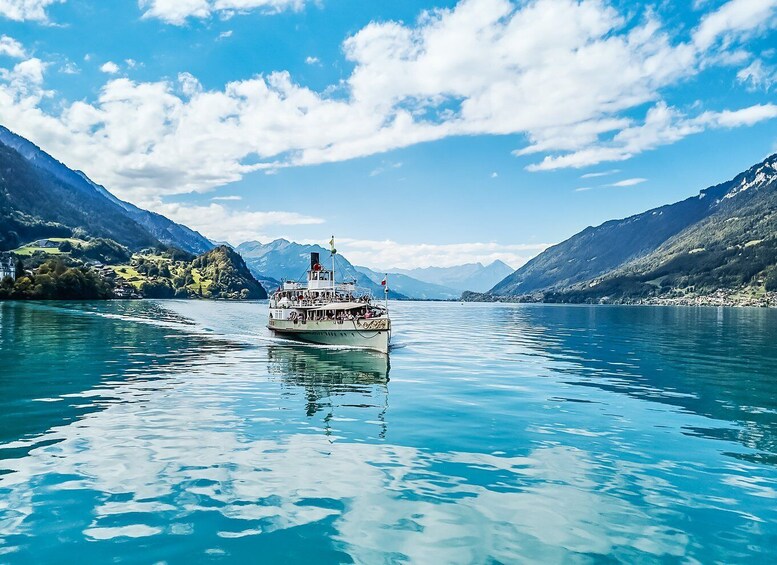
pixel 411 287
pixel 724 237
pixel 285 259
pixel 467 276
pixel 57 198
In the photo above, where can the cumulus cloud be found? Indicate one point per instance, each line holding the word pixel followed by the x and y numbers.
pixel 757 75
pixel 662 125
pixel 176 12
pixel 22 10
pixel 69 68
pixel 310 60
pixel 24 83
pixel 388 253
pixel 110 68
pixel 733 18
pixel 11 48
pixel 566 74
pixel 223 224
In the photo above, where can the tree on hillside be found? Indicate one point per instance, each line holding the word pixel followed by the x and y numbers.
pixel 770 281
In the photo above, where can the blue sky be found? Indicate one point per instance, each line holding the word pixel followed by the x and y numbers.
pixel 420 133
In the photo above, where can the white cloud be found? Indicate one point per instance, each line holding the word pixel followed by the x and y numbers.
pixel 24 83
pixel 758 75
pixel 223 224
pixel 110 68
pixel 494 175
pixel 662 125
pixel 311 60
pixel 11 48
pixel 736 118
pixel 600 174
pixel 385 167
pixel 733 19
pixel 545 69
pixel 388 253
pixel 176 12
pixel 225 34
pixel 190 86
pixel 69 68
pixel 226 198
pixel 562 515
pixel 21 10
pixel 619 184
pixel 628 182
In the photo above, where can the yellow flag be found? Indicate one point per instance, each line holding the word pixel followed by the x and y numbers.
pixel 332 245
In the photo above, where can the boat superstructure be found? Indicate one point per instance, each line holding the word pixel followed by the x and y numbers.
pixel 322 311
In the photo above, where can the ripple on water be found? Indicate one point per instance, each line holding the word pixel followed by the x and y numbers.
pixel 150 431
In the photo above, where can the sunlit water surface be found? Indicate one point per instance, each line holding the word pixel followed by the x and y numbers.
pixel 180 432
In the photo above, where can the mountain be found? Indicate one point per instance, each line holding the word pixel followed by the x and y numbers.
pixel 218 273
pixel 228 274
pixel 40 197
pixel 413 288
pixel 283 259
pixel 470 276
pixel 724 238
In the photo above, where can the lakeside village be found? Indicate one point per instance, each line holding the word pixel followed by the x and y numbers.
pixel 94 269
pixel 13 269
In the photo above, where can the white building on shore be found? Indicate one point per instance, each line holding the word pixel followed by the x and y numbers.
pixel 7 267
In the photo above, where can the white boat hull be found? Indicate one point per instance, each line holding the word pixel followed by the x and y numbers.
pixel 364 333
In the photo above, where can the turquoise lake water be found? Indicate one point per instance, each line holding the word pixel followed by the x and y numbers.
pixel 181 432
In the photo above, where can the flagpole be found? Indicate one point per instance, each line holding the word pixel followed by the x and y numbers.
pixel 385 290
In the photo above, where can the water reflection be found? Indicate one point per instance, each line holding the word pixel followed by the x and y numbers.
pixel 715 363
pixel 133 481
pixel 52 353
pixel 334 378
pixel 516 434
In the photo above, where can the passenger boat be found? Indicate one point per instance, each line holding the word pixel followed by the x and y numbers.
pixel 324 312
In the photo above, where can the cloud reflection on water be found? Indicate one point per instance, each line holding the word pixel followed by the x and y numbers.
pixel 227 447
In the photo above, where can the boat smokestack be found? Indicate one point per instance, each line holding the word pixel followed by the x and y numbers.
pixel 313 260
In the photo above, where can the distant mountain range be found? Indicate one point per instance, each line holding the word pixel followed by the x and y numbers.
pixel 40 197
pixel 471 276
pixel 283 259
pixel 413 288
pixel 724 238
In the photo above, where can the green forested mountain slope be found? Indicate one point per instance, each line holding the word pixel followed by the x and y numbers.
pixel 722 237
pixel 40 197
pixel 735 246
pixel 35 204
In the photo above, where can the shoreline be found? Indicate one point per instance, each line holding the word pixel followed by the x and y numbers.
pixel 720 298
